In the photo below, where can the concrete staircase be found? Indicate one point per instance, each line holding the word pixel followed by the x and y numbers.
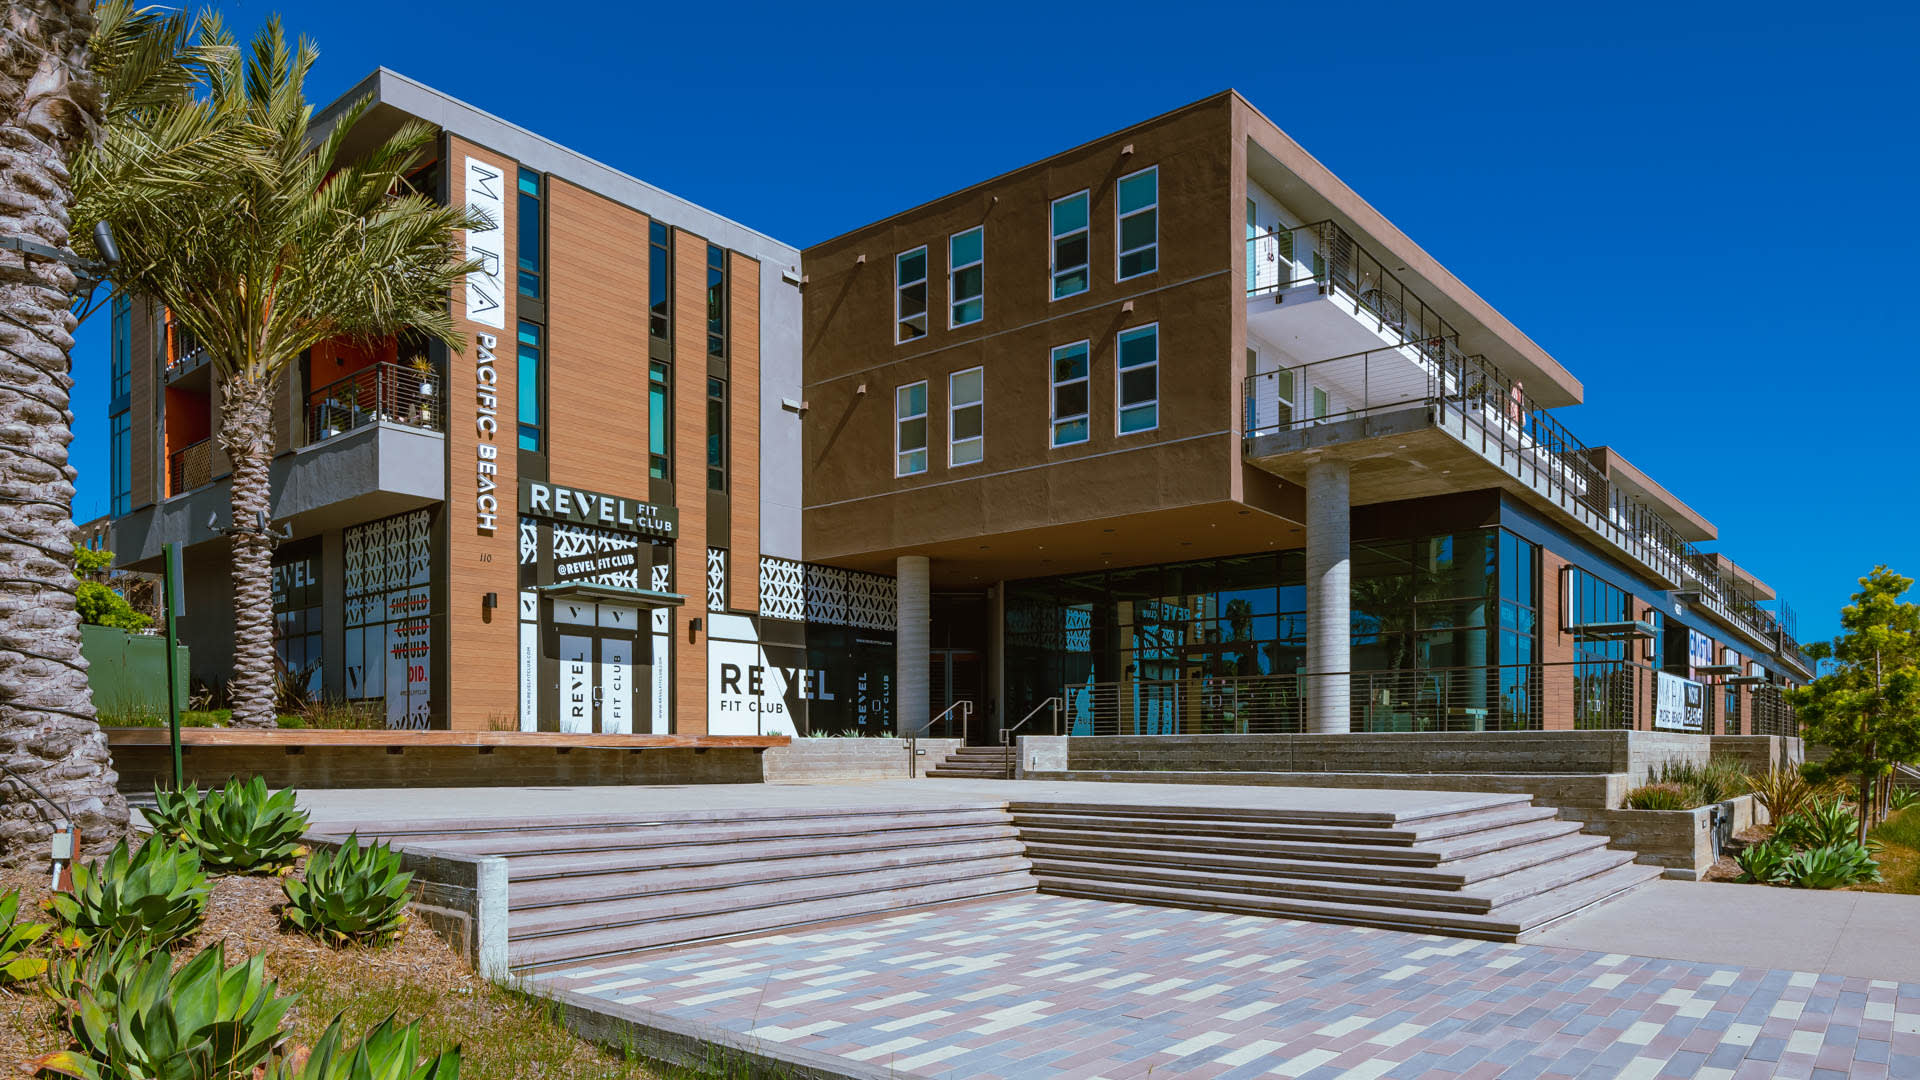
pixel 976 763
pixel 1496 872
pixel 585 891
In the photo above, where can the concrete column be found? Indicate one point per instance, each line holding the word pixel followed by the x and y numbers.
pixel 1329 596
pixel 914 612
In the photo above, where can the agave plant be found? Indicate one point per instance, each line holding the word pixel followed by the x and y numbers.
pixel 102 971
pixel 157 892
pixel 244 828
pixel 1819 825
pixel 204 1020
pixel 175 814
pixel 15 939
pixel 388 1052
pixel 1831 867
pixel 1763 863
pixel 1902 798
pixel 353 895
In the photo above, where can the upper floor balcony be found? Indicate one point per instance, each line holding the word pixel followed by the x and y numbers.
pixel 378 393
pixel 1316 292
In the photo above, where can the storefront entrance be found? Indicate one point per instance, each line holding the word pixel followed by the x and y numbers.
pixel 599 661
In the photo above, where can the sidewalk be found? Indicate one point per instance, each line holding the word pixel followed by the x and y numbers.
pixel 1870 935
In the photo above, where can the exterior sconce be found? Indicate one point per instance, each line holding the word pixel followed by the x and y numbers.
pixel 693 630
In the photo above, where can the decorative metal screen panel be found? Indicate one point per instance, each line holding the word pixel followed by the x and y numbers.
pixel 716 579
pixel 389 626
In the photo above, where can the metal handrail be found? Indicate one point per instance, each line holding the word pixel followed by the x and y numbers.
pixel 913 737
pixel 1006 733
pixel 382 392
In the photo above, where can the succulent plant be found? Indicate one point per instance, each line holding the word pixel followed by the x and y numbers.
pixel 353 895
pixel 157 892
pixel 1831 867
pixel 244 828
pixel 103 971
pixel 204 1020
pixel 388 1052
pixel 1819 825
pixel 1762 863
pixel 15 939
pixel 175 815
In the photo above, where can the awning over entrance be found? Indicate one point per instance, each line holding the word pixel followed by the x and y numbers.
pixel 610 594
pixel 1626 628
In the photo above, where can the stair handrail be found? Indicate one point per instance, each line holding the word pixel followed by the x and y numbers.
pixel 913 737
pixel 1006 733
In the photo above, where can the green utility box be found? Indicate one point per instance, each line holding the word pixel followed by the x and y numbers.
pixel 128 672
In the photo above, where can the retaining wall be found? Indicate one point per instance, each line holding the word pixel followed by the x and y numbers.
pixel 1680 842
pixel 852 759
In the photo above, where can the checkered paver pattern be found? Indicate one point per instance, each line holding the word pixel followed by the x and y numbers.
pixel 1055 988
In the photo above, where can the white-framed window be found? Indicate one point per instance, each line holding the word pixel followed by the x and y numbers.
pixel 1072 250
pixel 910 295
pixel 1070 398
pixel 967 276
pixel 1322 404
pixel 1137 372
pixel 910 429
pixel 1138 207
pixel 966 416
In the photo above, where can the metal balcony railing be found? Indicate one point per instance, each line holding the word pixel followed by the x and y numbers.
pixel 1768 713
pixel 1589 695
pixel 190 467
pixel 1324 254
pixel 380 392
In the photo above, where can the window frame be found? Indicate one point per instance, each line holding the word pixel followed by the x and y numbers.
pixel 1120 406
pixel 719 303
pixel 953 270
pixel 1053 247
pixel 1120 219
pixel 538 224
pixel 1085 345
pixel 537 385
pixel 953 410
pixel 900 287
pixel 925 416
pixel 717 434
pixel 660 278
pixel 660 428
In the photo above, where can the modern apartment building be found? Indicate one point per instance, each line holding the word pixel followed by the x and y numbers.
pixel 1171 428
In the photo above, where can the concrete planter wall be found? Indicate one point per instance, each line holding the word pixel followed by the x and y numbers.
pixel 1680 842
pixel 851 759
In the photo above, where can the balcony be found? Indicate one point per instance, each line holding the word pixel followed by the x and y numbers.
pixel 190 467
pixel 1315 291
pixel 378 393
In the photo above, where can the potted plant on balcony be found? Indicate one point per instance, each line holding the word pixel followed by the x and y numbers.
pixel 423 370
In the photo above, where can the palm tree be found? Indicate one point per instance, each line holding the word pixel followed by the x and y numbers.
pixel 67 73
pixel 264 258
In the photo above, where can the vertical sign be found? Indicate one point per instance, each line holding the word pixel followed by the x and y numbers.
pixel 486 291
pixel 529 660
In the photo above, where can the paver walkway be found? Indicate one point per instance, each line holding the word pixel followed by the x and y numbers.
pixel 1057 988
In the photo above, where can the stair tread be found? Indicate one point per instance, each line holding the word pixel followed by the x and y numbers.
pixel 684 833
pixel 574 948
pixel 573 863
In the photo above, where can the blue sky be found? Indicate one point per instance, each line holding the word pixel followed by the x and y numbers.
pixel 1703 210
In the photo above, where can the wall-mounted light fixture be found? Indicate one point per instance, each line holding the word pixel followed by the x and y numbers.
pixel 489 601
pixel 693 629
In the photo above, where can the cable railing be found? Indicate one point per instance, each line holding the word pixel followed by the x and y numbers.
pixel 376 393
pixel 1326 255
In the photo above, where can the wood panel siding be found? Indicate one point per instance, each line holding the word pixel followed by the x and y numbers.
pixel 483 645
pixel 743 434
pixel 597 342
pixel 690 478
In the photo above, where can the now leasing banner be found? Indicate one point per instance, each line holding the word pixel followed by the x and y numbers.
pixel 1679 704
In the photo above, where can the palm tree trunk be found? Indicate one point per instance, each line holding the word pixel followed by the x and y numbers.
pixel 246 434
pixel 49 737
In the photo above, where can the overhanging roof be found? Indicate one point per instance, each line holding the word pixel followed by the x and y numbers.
pixel 1622 474
pixel 613 594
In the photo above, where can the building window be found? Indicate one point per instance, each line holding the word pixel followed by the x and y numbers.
pixel 1138 371
pixel 658 390
pixel 716 435
pixel 659 280
pixel 297 615
pixel 1519 618
pixel 120 450
pixel 122 350
pixel 910 429
pixel 966 275
pixel 1071 246
pixel 389 616
pixel 1139 210
pixel 528 216
pixel 1070 399
pixel 716 301
pixel 966 408
pixel 910 295
pixel 532 388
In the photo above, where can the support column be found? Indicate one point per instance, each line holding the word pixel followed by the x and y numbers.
pixel 914 615
pixel 1329 597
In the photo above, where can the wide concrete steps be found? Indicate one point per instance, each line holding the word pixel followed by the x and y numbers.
pixel 976 763
pixel 1497 871
pixel 580 892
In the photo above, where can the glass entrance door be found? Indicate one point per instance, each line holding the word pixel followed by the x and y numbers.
pixel 599 659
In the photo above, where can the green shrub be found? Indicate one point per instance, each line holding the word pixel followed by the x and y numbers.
pixel 15 939
pixel 244 828
pixel 353 895
pixel 1720 779
pixel 1819 825
pixel 1661 796
pixel 1784 791
pixel 1830 867
pixel 1763 863
pixel 157 891
pixel 388 1052
pixel 1903 797
pixel 204 1020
